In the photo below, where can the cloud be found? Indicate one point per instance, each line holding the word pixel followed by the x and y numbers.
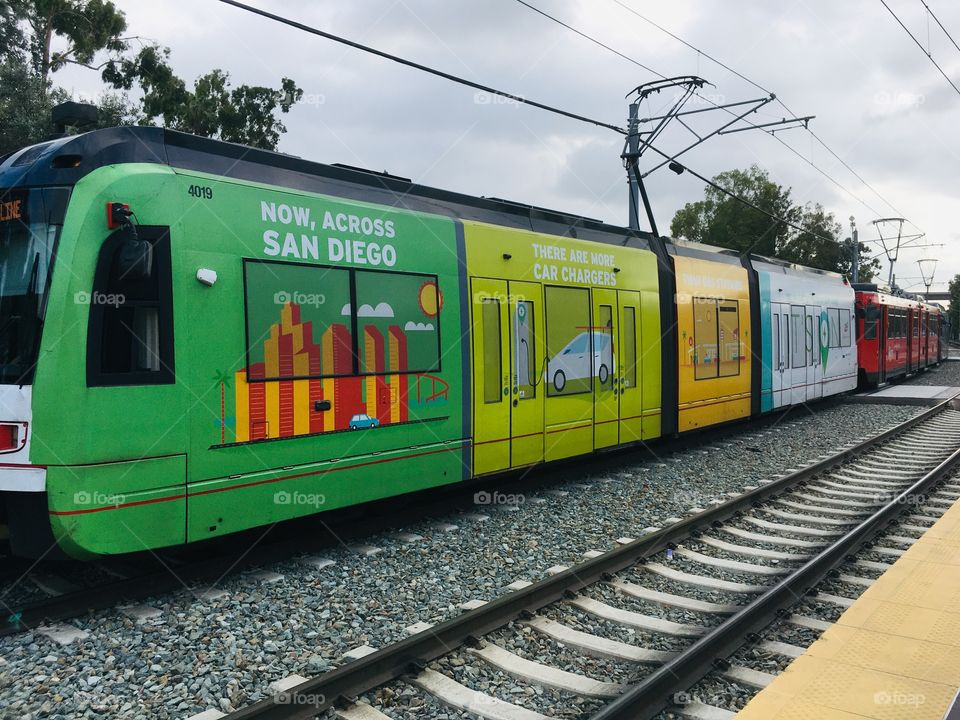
pixel 381 310
pixel 346 310
pixel 414 326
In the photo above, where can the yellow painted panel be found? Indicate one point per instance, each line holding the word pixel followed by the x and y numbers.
pixel 703 379
pixel 568 439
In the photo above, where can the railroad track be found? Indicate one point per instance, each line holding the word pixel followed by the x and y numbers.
pixel 736 567
pixel 52 593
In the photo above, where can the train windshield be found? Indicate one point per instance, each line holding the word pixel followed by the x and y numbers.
pixel 30 221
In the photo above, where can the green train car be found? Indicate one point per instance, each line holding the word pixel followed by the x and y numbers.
pixel 200 338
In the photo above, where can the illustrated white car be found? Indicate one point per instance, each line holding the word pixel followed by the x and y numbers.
pixel 574 362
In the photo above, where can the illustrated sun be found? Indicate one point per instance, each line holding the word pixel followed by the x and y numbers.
pixel 431 299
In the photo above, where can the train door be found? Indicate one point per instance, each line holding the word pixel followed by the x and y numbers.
pixel 628 366
pixel 798 354
pixel 882 330
pixel 911 341
pixel 508 389
pixel 815 342
pixel 526 373
pixel 491 376
pixel 780 351
pixel 606 412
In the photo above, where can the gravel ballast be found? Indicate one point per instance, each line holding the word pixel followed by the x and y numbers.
pixel 223 653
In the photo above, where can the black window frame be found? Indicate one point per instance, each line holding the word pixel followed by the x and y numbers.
pixel 159 238
pixel 354 323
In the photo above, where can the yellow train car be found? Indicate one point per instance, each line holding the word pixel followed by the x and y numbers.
pixel 713 338
pixel 566 346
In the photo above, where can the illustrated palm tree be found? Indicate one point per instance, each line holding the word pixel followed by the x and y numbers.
pixel 223 378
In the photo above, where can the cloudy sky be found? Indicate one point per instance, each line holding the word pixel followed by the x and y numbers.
pixel 880 104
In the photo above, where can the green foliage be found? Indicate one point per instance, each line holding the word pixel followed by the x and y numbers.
pixel 245 114
pixel 25 106
pixel 93 30
pixel 721 220
pixel 953 313
pixel 87 26
pixel 820 245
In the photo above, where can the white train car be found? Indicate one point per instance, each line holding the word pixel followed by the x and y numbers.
pixel 808 348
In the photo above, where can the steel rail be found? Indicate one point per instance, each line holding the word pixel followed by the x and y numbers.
pixel 348 681
pixel 655 692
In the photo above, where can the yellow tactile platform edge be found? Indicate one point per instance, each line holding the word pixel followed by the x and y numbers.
pixel 893 655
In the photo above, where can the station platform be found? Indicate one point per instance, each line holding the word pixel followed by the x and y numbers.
pixel 907 394
pixel 893 655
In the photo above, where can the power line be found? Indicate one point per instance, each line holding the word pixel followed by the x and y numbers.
pixel 469 83
pixel 418 66
pixel 757 85
pixel 912 37
pixel 945 31
pixel 592 39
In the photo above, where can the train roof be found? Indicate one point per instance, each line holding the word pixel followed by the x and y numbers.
pixel 892 297
pixel 66 160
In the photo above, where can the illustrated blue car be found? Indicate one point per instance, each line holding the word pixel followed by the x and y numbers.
pixel 362 421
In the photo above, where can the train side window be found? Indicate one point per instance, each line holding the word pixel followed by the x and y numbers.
pixel 397 322
pixel 629 347
pixel 603 352
pixel 492 353
pixel 130 332
pixel 833 317
pixel 845 328
pixel 705 351
pixel 524 350
pixel 569 341
pixel 299 322
pixel 728 318
pixel 798 358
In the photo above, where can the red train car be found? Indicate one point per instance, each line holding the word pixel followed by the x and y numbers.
pixel 897 335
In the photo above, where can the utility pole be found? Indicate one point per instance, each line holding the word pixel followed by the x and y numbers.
pixel 855 250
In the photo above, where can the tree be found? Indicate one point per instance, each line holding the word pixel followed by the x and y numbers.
pixel 953 312
pixel 93 33
pixel 243 115
pixel 25 105
pixel 723 221
pixel 819 245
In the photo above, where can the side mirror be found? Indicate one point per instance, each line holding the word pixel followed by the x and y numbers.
pixel 134 259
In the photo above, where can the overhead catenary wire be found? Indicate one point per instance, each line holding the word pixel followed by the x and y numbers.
pixel 937 20
pixel 919 45
pixel 418 66
pixel 759 86
pixel 485 88
pixel 771 133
